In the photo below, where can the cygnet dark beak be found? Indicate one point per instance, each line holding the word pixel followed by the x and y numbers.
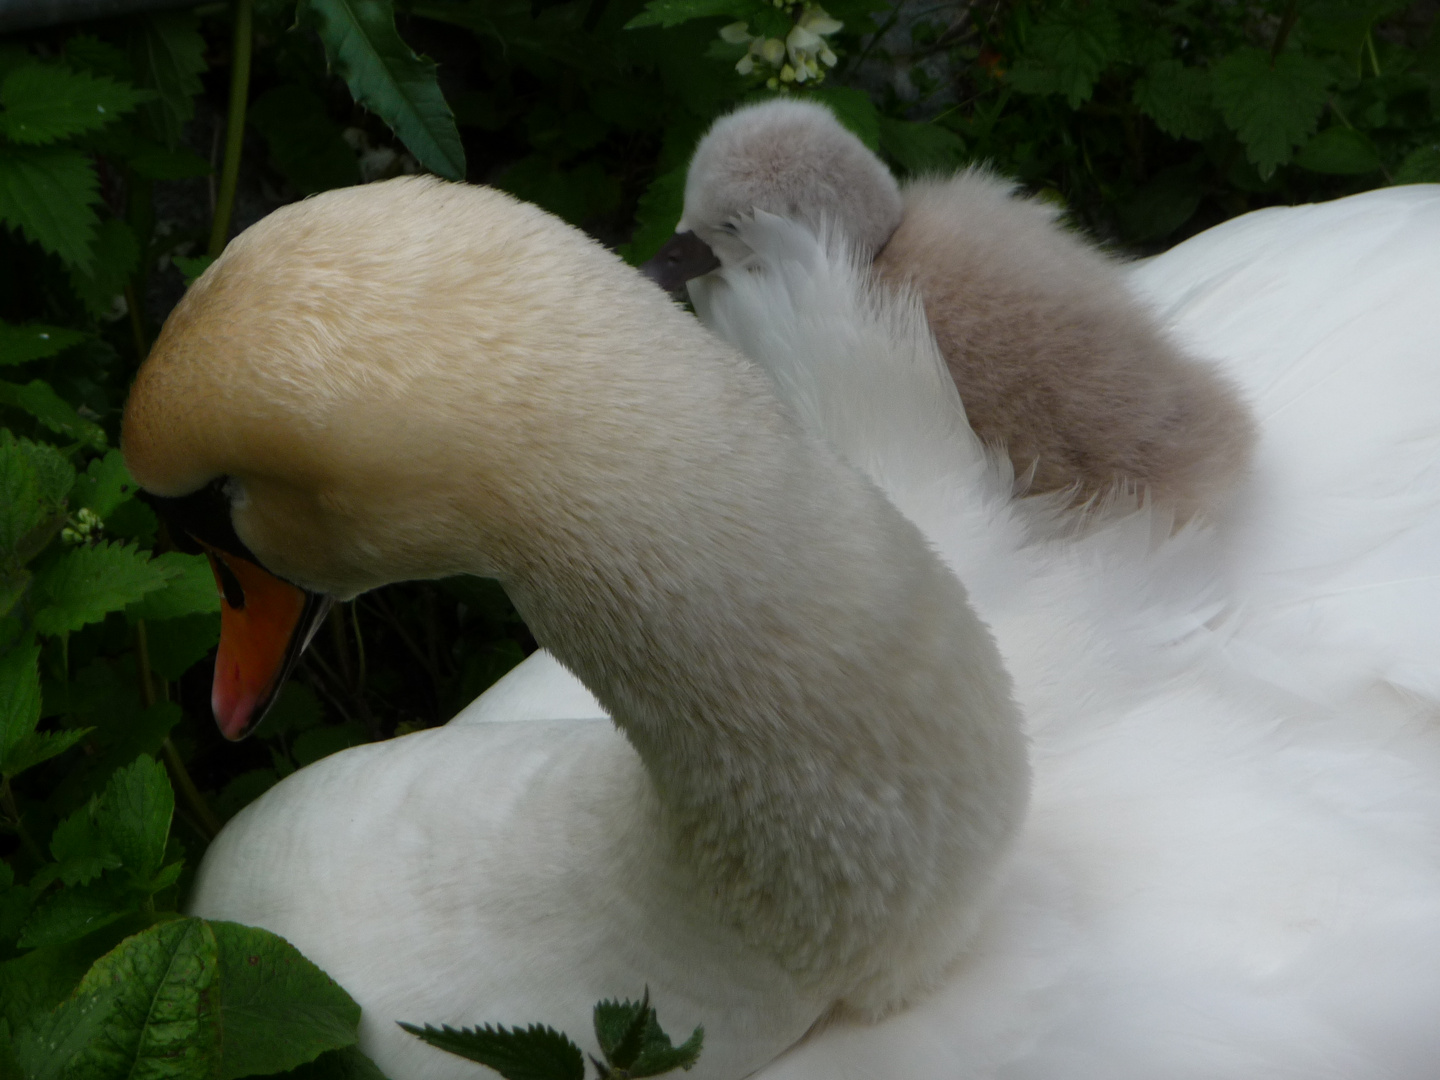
pixel 683 256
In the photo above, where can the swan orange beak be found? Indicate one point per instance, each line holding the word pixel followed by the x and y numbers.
pixel 265 624
pixel 682 257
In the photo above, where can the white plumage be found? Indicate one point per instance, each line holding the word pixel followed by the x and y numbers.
pixel 1231 863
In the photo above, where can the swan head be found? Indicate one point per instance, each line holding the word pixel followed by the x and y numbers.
pixel 788 158
pixel 314 404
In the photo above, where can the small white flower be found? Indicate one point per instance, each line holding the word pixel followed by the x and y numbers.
pixel 737 33
pixel 787 74
pixel 746 64
pixel 773 50
pixel 818 21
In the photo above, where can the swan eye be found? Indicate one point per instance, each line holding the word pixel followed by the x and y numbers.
pixel 731 228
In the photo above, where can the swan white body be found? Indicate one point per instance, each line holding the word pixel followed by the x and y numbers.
pixel 1231 863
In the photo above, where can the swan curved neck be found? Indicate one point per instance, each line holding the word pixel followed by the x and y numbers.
pixel 827 725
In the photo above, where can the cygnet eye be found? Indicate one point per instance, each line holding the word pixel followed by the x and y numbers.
pixel 731 228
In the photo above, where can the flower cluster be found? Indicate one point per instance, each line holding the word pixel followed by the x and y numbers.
pixel 82 528
pixel 799 57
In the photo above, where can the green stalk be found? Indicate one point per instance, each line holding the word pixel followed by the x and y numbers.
pixel 1287 23
pixel 179 775
pixel 235 123
pixel 7 797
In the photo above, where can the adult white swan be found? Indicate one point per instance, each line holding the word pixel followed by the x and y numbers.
pixel 1220 875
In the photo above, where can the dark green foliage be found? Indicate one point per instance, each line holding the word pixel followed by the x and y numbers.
pixel 1149 121
pixel 531 1053
pixel 631 1040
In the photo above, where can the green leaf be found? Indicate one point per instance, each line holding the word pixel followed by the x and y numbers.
pixel 40 401
pixel 1162 205
pixel 190 589
pixel 71 913
pixel 145 1010
pixel 48 193
pixel 116 257
pixel 1420 166
pixel 1339 150
pixel 304 143
pixel 656 215
pixel 105 484
pixel 1069 48
pixel 192 268
pixel 45 103
pixel 388 78
pixel 54 475
pixel 349 1063
pixel 177 645
pixel 532 1053
pixel 81 851
pixel 919 148
pixel 19 344
pixel 169 56
pixel 19 701
pixel 1177 98
pixel 667 13
pixel 85 584
pixel 21 509
pixel 278 1009
pixel 1272 109
pixel 854 109
pixel 133 814
pixel 632 1040
pixel 42 746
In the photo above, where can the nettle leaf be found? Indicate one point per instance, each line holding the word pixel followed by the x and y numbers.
pixel 19 700
pixel 42 746
pixel 169 56
pixel 21 508
pixel 177 645
pixel 46 102
pixel 48 193
pixel 1341 151
pixel 54 475
pixel 854 109
pixel 656 215
pixel 389 79
pixel 81 851
pixel 190 589
pixel 1420 166
pixel 1178 99
pixel 105 484
pixel 133 815
pixel 85 584
pixel 145 1009
pixel 919 148
pixel 192 267
pixel 71 913
pixel 633 1042
pixel 667 13
pixel 349 1063
pixel 305 144
pixel 1067 51
pixel 39 400
pixel 116 257
pixel 532 1053
pixel 20 344
pixel 278 1010
pixel 1272 108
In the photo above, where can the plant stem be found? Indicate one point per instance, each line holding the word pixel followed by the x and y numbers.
pixel 209 824
pixel 234 124
pixel 7 797
pixel 1287 23
pixel 179 775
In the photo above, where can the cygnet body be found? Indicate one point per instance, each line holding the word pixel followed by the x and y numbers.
pixel 1054 359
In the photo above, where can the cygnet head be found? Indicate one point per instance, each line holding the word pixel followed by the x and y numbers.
pixel 790 158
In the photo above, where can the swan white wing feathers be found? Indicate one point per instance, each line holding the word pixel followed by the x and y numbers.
pixel 1221 877
pixel 1326 316
pixel 538 688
